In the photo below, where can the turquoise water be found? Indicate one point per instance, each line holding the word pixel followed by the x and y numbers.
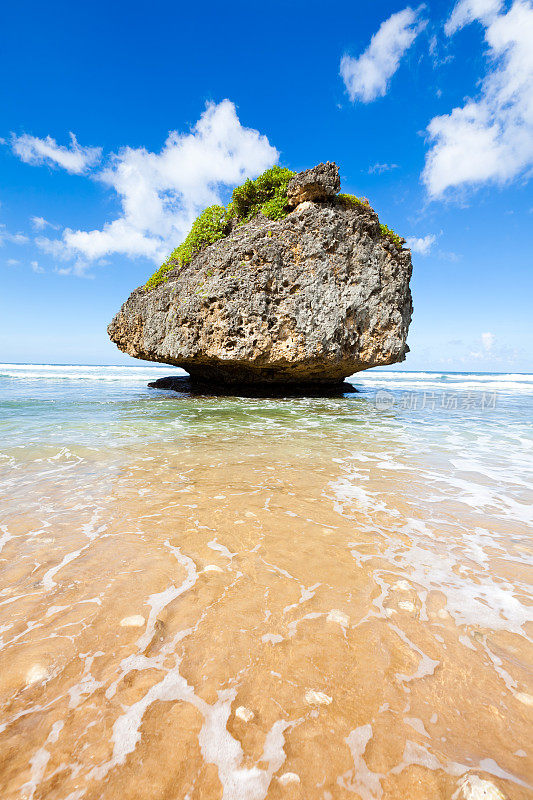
pixel 88 404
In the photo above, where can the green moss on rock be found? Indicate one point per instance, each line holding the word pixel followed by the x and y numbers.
pixel 352 200
pixel 386 232
pixel 206 229
pixel 389 234
pixel 275 208
pixel 266 195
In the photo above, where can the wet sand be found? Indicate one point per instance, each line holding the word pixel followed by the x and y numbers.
pixel 264 613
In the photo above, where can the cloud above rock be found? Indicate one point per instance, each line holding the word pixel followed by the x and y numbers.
pixel 467 11
pixel 73 158
pixel 367 76
pixel 421 245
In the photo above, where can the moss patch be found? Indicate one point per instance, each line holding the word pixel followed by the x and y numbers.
pixel 352 200
pixel 266 195
pixel 389 234
pixel 386 232
pixel 206 229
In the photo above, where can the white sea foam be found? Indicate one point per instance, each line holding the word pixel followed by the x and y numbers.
pixel 361 779
pixel 69 372
pixel 87 683
pixel 217 744
pixel 395 379
pixel 38 763
pixel 443 381
pixel 4 537
pixel 48 581
pixel 214 544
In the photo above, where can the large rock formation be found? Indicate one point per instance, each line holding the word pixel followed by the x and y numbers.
pixel 310 298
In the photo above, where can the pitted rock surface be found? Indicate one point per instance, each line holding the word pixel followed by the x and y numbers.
pixel 317 183
pixel 311 298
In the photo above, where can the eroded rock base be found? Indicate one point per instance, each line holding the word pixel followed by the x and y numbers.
pixel 184 384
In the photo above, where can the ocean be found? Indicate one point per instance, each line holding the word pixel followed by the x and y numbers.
pixel 245 598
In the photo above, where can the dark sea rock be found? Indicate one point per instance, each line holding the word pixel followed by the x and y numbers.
pixel 182 384
pixel 308 299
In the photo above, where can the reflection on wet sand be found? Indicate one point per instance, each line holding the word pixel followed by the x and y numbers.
pixel 255 616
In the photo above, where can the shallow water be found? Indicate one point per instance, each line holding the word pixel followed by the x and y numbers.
pixel 237 598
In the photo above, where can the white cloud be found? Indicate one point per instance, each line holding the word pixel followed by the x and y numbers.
pixel 421 245
pixel 12 262
pixel 367 76
pixel 380 168
pixel 36 267
pixel 40 223
pixel 447 255
pixel 162 193
pixel 491 138
pixel 73 158
pixel 466 11
pixel 14 238
pixel 489 350
pixel 79 268
pixel 487 340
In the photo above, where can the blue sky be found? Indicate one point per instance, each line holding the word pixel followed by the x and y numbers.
pixel 121 122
